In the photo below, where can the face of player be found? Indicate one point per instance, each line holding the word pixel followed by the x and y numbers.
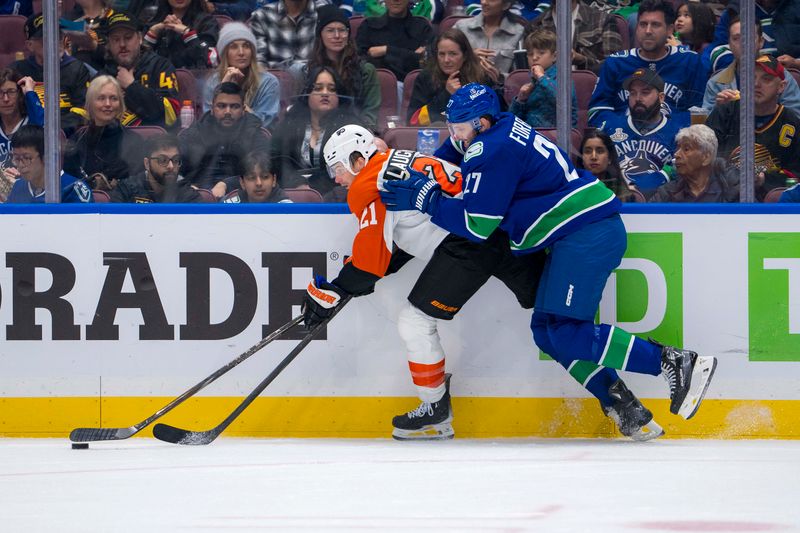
pixel 449 56
pixel 29 164
pixel 258 184
pixel 9 99
pixel 689 160
pixel 735 41
pixel 334 37
pixel 323 96
pixel 124 45
pixel 652 31
pixel 228 109
pixel 397 8
pixel 342 175
pixel 683 22
pixel 462 131
pixel 164 165
pixel 106 107
pixel 543 58
pixel 644 101
pixel 595 156
pixel 239 54
pixel 768 88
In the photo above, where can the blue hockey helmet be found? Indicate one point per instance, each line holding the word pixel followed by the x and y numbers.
pixel 471 102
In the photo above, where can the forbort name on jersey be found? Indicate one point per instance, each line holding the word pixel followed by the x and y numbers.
pixel 520 132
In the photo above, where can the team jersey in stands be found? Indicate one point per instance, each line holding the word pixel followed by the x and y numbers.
pixel 73 190
pixel 642 156
pixel 152 99
pixel 518 180
pixel 682 72
pixel 379 229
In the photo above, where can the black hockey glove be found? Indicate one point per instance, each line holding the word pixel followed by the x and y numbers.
pixel 321 299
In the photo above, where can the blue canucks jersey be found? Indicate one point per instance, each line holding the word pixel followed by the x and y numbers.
pixel 516 179
pixel 73 190
pixel 681 69
pixel 642 156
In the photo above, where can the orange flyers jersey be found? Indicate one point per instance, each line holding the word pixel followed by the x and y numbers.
pixel 377 228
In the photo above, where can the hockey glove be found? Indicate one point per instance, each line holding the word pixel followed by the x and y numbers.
pixel 320 300
pixel 417 192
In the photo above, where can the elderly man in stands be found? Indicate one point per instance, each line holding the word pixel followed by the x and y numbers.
pixel 702 176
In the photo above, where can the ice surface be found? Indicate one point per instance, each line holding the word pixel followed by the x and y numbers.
pixel 382 485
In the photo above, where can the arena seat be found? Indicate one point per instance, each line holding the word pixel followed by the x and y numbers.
pixel 355 23
pixel 100 197
pixel 13 28
pixel 624 32
pixel 405 138
pixel 207 197
pixel 288 89
pixel 388 83
pixel 450 21
pixel 584 81
pixel 408 88
pixel 774 195
pixel 514 81
pixel 188 89
pixel 222 19
pixel 145 132
pixel 303 195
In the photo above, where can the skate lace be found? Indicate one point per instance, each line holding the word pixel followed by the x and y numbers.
pixel 668 368
pixel 425 408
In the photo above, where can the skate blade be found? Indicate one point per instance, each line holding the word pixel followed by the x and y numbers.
pixel 432 432
pixel 649 431
pixel 701 378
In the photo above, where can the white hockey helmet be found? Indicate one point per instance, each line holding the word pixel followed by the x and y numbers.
pixel 345 141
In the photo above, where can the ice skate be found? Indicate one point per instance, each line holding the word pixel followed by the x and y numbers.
pixel 429 421
pixel 633 419
pixel 688 376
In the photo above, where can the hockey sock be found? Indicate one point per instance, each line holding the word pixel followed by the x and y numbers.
pixel 425 353
pixel 592 377
pixel 605 345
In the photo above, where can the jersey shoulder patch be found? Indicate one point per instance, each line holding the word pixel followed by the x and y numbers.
pixel 474 150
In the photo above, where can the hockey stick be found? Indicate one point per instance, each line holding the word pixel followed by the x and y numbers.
pixel 184 436
pixel 96 434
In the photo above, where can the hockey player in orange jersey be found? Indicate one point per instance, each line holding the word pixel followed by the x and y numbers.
pixel 456 268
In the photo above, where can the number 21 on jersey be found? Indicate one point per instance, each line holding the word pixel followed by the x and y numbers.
pixel 368 217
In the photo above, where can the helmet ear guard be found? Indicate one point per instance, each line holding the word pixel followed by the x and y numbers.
pixel 346 140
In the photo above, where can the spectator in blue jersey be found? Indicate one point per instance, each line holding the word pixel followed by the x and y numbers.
pixel 791 195
pixel 598 156
pixel 16 7
pixel 161 181
pixel 27 152
pixel 681 69
pixel 518 181
pixel 724 85
pixel 537 101
pixel 258 184
pixel 494 34
pixel 644 139
pixel 702 176
pixel 594 34
pixel 777 147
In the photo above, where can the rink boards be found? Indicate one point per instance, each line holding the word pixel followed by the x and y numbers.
pixel 108 312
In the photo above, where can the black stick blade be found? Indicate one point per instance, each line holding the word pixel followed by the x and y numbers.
pixel 96 434
pixel 175 435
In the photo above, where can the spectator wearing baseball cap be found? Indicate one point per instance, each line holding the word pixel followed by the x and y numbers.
pixel 74 75
pixel 148 79
pixel 644 137
pixel 777 146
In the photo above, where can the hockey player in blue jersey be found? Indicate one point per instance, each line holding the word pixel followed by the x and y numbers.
pixel 645 138
pixel 517 180
pixel 681 69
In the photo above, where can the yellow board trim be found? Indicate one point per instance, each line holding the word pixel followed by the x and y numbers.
pixel 355 417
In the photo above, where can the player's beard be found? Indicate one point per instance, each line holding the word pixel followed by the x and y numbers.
pixel 644 113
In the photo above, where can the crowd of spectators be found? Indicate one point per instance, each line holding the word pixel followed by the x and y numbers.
pixel 275 78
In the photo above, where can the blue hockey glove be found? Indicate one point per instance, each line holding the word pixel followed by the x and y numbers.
pixel 417 192
pixel 320 300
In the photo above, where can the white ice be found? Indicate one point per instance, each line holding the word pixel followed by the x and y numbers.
pixel 382 485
